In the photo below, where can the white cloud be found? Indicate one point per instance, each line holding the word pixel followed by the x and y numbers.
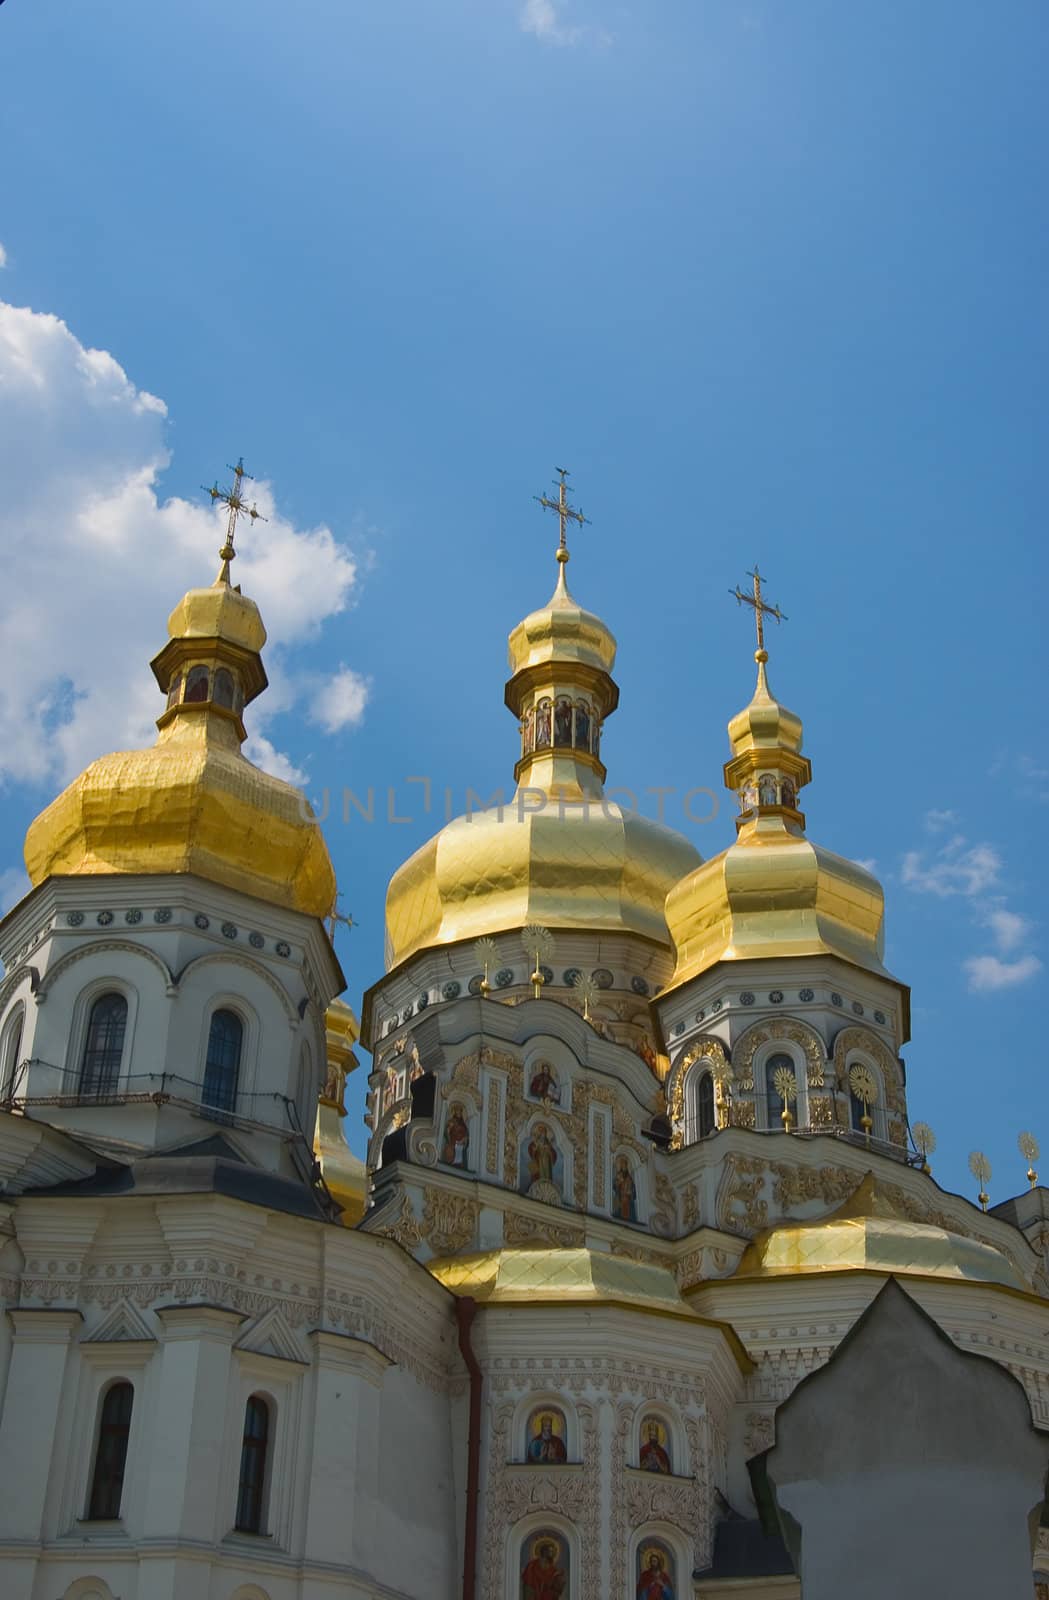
pixel 987 974
pixel 869 864
pixel 95 559
pixel 340 701
pixel 1009 928
pixel 542 18
pixel 936 821
pixel 258 749
pixel 3 257
pixel 956 869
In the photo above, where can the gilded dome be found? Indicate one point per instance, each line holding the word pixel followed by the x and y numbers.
pixel 773 892
pixel 867 1233
pixel 558 852
pixel 193 803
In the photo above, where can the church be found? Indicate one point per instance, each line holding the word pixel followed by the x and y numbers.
pixel 646 1289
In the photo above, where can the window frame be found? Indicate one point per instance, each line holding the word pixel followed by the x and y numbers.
pixel 123 1428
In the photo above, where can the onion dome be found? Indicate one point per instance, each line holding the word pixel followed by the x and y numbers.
pixel 773 892
pixel 558 852
pixel 868 1233
pixel 193 803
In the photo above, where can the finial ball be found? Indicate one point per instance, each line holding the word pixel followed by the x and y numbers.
pixel 562 554
pixel 761 656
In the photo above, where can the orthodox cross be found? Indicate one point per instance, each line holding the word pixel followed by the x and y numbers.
pixel 233 498
pixel 761 609
pixel 335 918
pixel 565 512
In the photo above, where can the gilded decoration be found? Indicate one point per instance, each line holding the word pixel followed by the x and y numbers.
pixel 741 1186
pixel 403 1228
pixel 797 1185
pixel 690 1206
pixel 857 1038
pixel 449 1220
pixel 639 1498
pixel 520 1229
pixel 748 1044
pixel 701 1049
pixel 821 1110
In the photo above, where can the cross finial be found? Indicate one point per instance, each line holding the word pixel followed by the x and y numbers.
pixel 761 609
pixel 565 512
pixel 233 498
pixel 335 918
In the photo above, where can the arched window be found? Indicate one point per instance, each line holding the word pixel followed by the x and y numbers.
pixel 222 1068
pixel 196 686
pixel 114 1430
pixel 104 1045
pixel 222 693
pixel 173 688
pixel 705 1118
pixel 10 1052
pixel 773 1099
pixel 252 1485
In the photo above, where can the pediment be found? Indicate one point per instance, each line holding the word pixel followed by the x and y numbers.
pixel 270 1335
pixel 123 1324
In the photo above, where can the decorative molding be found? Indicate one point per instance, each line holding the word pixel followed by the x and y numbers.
pixel 270 1335
pixel 521 1229
pixel 799 1033
pixel 449 1220
pixel 94 947
pixel 124 1323
pixel 230 958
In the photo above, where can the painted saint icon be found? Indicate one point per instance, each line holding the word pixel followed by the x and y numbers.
pixel 625 1190
pixel 544 1084
pixel 546 1438
pixel 456 1138
pixel 654 1455
pixel 655 1571
pixel 541 1166
pixel 544 1567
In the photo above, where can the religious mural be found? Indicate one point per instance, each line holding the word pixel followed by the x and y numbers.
pixel 656 1571
pixel 545 1569
pixel 542 724
pixel 456 1143
pixel 624 1191
pixel 546 1437
pixel 543 1084
pixel 542 1167
pixel 654 1454
pixel 563 722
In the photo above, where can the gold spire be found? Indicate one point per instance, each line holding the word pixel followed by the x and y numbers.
pixel 558 852
pixel 565 512
pixel 773 892
pixel 192 803
pixel 233 498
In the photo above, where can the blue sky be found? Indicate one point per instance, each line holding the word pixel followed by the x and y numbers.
pixel 768 276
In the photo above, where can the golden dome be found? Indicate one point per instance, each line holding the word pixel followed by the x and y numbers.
pixel 867 1233
pixel 562 631
pixel 558 852
pixel 192 803
pixel 592 1277
pixel 773 892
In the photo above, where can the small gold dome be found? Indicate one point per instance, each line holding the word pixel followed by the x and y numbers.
pixel 192 803
pixel 562 631
pixel 557 852
pixel 866 1233
pixel 773 892
pixel 218 612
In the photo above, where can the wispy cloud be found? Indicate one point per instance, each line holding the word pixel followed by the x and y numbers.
pixel 972 872
pixel 3 256
pixel 542 19
pixel 957 868
pixel 987 974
